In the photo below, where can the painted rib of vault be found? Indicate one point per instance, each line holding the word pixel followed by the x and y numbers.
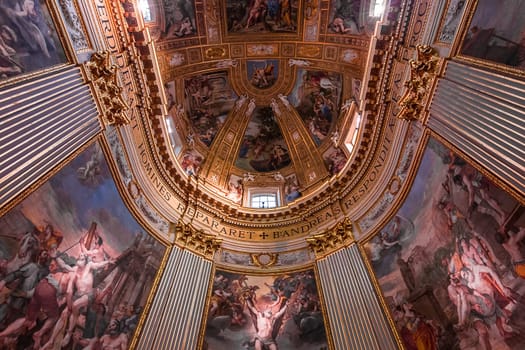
pixel 76 267
pixel 450 263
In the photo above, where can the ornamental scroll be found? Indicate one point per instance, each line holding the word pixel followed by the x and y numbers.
pixel 332 240
pixel 103 76
pixel 196 241
pixel 264 260
pixel 422 76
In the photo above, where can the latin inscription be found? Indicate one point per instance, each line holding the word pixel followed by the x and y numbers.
pixel 415 36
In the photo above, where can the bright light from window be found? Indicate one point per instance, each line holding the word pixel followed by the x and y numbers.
pixel 173 135
pixel 266 200
pixel 354 132
pixel 144 9
pixel 377 8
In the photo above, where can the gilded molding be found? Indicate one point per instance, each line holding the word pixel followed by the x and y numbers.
pixel 104 79
pixel 196 241
pixel 327 242
pixel 214 53
pixel 423 72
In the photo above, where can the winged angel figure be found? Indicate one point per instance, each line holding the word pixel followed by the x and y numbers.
pixel 88 173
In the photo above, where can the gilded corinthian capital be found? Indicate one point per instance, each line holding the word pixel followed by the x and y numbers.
pixel 334 239
pixel 103 76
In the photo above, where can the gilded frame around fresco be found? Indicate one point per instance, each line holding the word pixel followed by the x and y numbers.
pixel 402 195
pixel 442 23
pixel 269 36
pixel 163 241
pixel 63 40
pixel 401 200
pixel 202 329
pixel 461 35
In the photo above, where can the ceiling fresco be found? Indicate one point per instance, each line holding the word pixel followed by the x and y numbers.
pixel 291 301
pixel 28 39
pixel 262 16
pixel 179 19
pixel 191 162
pixel 263 148
pixel 335 159
pixel 262 73
pixel 73 239
pixel 496 33
pixel 209 99
pixel 345 17
pixel 450 256
pixel 256 86
pixel 230 99
pixel 316 97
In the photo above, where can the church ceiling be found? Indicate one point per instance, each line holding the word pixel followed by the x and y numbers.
pixel 231 122
pixel 255 88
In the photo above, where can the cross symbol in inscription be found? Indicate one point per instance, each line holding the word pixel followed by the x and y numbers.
pixel 263 235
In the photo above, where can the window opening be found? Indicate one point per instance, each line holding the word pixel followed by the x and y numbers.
pixel 264 201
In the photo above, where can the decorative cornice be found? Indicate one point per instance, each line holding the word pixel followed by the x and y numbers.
pixel 338 237
pixel 196 241
pixel 423 72
pixel 104 79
